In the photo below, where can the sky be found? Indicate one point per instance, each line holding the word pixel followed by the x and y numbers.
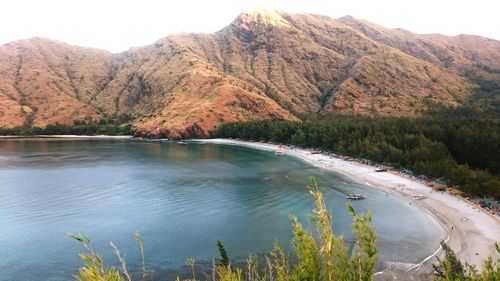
pixel 117 25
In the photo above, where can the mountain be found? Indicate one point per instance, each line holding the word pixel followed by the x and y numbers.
pixel 264 65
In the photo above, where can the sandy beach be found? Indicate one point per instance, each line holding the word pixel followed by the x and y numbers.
pixel 470 231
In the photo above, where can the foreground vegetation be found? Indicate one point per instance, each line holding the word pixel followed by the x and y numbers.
pixel 452 269
pixel 455 147
pixel 317 256
pixel 117 125
pixel 326 257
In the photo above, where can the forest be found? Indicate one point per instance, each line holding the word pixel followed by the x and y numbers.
pixel 117 125
pixel 458 147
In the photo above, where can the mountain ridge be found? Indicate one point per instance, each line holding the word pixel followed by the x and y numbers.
pixel 263 65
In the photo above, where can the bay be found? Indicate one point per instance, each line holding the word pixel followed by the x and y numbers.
pixel 181 197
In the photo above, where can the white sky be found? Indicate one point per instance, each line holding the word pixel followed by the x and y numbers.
pixel 117 25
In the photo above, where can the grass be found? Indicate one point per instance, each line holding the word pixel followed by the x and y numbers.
pixel 318 254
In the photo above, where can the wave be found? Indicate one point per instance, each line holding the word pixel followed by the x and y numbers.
pixel 399 265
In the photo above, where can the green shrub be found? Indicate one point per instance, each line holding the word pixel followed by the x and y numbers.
pixel 324 258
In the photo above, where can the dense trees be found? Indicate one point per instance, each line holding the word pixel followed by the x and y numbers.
pixel 458 146
pixel 109 125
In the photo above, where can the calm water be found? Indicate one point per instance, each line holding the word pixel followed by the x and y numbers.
pixel 182 198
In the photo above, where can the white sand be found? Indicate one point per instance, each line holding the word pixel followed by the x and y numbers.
pixel 471 238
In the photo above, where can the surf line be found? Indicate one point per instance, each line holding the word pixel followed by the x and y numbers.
pixel 417 266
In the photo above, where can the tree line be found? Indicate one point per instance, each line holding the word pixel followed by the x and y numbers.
pixel 456 147
pixel 108 125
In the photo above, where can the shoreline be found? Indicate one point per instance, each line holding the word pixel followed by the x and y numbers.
pixel 471 238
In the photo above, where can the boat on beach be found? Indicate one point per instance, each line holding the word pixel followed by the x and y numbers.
pixel 419 197
pixel 351 196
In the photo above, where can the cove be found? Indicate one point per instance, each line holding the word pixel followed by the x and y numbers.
pixel 181 197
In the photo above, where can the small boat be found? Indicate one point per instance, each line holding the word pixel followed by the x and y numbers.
pixel 355 196
pixel 381 170
pixel 182 142
pixel 278 152
pixel 418 197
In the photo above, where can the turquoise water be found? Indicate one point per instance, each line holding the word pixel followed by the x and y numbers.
pixel 182 198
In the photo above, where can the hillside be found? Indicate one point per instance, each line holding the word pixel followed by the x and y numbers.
pixel 264 65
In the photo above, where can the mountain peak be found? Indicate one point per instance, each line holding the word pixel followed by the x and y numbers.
pixel 347 17
pixel 265 65
pixel 261 17
pixel 350 20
